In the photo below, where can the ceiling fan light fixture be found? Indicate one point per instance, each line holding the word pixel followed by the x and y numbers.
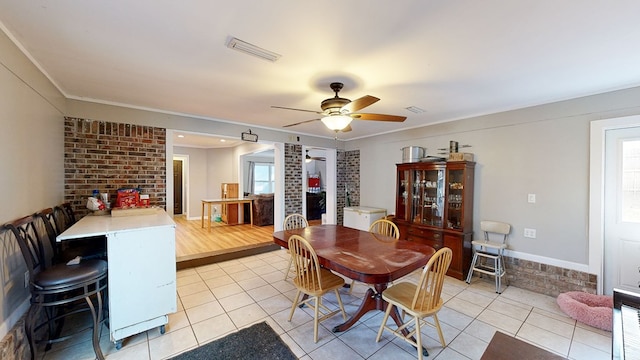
pixel 336 122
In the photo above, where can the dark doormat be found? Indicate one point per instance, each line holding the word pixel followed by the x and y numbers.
pixel 505 347
pixel 258 341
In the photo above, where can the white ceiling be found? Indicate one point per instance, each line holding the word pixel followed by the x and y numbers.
pixel 454 59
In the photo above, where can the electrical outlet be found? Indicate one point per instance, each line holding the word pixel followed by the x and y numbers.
pixel 530 233
pixel 531 198
pixel 26 279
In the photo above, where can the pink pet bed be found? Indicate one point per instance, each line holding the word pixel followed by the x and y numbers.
pixel 593 310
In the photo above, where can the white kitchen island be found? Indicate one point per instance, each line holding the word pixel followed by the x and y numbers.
pixel 141 253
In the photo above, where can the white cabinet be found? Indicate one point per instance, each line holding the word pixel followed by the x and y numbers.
pixel 141 252
pixel 361 217
pixel 142 280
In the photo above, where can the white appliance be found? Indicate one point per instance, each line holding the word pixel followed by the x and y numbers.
pixel 361 217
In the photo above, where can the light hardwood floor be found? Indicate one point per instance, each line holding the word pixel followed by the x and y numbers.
pixel 196 246
pixel 193 241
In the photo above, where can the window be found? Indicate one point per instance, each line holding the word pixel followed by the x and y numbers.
pixel 264 180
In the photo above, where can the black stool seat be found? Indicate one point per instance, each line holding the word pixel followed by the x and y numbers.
pixel 69 276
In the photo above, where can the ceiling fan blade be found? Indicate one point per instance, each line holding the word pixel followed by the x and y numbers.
pixel 288 108
pixel 301 122
pixel 360 103
pixel 379 117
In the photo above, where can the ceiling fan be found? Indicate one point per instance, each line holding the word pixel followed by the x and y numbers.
pixel 309 158
pixel 338 112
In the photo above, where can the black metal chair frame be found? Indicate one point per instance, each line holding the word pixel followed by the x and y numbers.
pixel 58 289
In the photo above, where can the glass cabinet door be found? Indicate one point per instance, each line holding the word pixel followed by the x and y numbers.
pixel 402 197
pixel 428 197
pixel 455 199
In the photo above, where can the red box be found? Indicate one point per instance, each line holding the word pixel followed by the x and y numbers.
pixel 314 182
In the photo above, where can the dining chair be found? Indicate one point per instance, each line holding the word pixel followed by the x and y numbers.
pixel 293 221
pixel 58 289
pixel 313 280
pixel 488 257
pixel 384 227
pixel 420 301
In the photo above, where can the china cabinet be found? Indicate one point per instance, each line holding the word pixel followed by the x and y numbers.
pixel 434 206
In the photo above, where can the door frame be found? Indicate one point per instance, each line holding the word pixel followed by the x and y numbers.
pixel 596 190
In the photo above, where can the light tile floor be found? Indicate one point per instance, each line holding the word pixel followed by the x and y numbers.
pixel 215 300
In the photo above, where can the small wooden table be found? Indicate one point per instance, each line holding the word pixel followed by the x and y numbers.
pixel 210 202
pixel 363 256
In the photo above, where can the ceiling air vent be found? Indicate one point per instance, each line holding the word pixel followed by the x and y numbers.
pixel 245 47
pixel 415 109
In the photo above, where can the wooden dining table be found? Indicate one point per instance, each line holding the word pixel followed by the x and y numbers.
pixel 370 258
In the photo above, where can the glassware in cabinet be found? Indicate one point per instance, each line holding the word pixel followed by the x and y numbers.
pixel 459 196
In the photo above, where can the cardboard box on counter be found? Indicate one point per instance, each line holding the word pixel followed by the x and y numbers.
pixel 133 211
pixel 460 157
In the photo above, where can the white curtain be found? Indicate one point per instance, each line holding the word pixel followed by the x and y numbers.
pixel 250 178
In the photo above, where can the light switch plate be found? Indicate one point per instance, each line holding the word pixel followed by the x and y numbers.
pixel 530 233
pixel 531 198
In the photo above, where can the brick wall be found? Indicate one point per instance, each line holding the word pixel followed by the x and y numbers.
pixel 547 279
pixel 348 177
pixel 14 346
pixel 108 156
pixel 292 179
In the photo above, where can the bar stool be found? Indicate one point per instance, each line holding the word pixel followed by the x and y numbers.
pixel 488 258
pixel 58 289
pixel 94 247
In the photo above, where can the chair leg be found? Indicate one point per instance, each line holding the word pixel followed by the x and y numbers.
pixel 316 312
pixel 418 336
pixel 29 324
pixel 353 283
pixel 499 273
pixel 473 265
pixel 295 303
pixel 384 322
pixel 344 314
pixel 437 323
pixel 96 323
pixel 286 274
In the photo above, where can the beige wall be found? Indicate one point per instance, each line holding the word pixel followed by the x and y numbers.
pixel 31 154
pixel 542 150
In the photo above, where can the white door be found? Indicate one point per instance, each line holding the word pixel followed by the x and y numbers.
pixel 622 210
